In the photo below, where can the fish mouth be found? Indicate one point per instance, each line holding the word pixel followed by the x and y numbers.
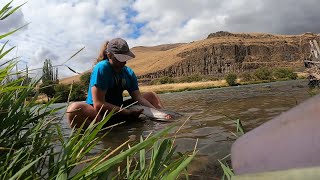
pixel 163 119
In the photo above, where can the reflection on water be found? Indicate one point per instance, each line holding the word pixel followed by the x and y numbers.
pixel 210 122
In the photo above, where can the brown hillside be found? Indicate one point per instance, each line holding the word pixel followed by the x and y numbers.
pixel 220 53
pixel 69 80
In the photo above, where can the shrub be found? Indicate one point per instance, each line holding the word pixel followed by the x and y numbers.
pixel 155 82
pixel 231 79
pixel 78 92
pixel 166 80
pixel 263 73
pixel 85 78
pixel 47 87
pixel 62 92
pixel 281 73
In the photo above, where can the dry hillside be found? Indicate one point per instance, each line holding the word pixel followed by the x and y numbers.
pixel 220 53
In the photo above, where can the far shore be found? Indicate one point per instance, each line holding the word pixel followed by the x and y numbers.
pixel 179 87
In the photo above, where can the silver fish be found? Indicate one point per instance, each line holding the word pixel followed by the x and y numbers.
pixel 156 114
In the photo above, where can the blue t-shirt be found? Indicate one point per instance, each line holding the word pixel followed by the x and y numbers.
pixel 105 78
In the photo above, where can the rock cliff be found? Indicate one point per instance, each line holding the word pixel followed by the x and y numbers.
pixel 224 52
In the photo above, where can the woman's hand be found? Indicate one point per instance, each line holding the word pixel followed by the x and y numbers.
pixel 135 113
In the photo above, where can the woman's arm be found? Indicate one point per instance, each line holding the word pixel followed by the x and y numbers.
pixel 136 95
pixel 98 97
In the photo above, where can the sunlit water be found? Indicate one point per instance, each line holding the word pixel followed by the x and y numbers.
pixel 211 112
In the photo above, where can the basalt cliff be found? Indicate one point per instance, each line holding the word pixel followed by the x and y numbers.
pixel 224 52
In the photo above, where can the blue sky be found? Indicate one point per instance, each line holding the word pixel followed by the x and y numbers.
pixel 59 28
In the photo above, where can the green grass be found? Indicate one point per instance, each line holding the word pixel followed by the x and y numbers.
pixel 187 89
pixel 225 162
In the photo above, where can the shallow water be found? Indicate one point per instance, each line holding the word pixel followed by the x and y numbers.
pixel 211 112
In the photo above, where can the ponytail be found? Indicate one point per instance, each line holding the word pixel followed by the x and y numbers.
pixel 102 54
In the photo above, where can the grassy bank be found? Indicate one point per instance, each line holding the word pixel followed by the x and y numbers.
pixel 178 87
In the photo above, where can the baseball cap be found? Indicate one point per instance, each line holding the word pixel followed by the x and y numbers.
pixel 120 49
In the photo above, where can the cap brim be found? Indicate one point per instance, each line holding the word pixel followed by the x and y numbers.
pixel 124 57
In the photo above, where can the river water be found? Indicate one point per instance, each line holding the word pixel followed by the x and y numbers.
pixel 211 112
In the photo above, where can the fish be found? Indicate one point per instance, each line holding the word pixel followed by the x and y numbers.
pixel 157 114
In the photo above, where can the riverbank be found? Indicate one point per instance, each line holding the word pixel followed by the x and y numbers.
pixel 179 87
pixel 198 85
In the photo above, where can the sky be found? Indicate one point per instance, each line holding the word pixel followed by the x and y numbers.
pixel 59 28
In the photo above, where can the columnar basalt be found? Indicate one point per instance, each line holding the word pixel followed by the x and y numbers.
pixel 240 53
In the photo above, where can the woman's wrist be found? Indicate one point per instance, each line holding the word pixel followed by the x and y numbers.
pixel 125 112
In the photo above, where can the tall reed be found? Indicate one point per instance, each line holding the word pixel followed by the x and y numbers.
pixel 33 146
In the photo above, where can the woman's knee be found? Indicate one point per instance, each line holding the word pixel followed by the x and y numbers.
pixel 150 95
pixel 153 98
pixel 73 107
pixel 73 110
pixel 78 112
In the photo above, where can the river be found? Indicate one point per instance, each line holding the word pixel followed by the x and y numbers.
pixel 210 122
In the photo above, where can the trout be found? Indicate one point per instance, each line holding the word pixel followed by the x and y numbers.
pixel 157 114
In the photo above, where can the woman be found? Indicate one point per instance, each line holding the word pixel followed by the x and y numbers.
pixel 109 78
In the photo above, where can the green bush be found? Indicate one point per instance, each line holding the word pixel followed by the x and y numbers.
pixel 231 79
pixel 166 80
pixel 263 73
pixel 78 93
pixel 154 82
pixel 284 73
pixel 162 80
pixel 62 92
pixel 47 87
pixel 85 78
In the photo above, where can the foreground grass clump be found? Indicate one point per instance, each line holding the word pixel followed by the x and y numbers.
pixel 225 162
pixel 32 145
